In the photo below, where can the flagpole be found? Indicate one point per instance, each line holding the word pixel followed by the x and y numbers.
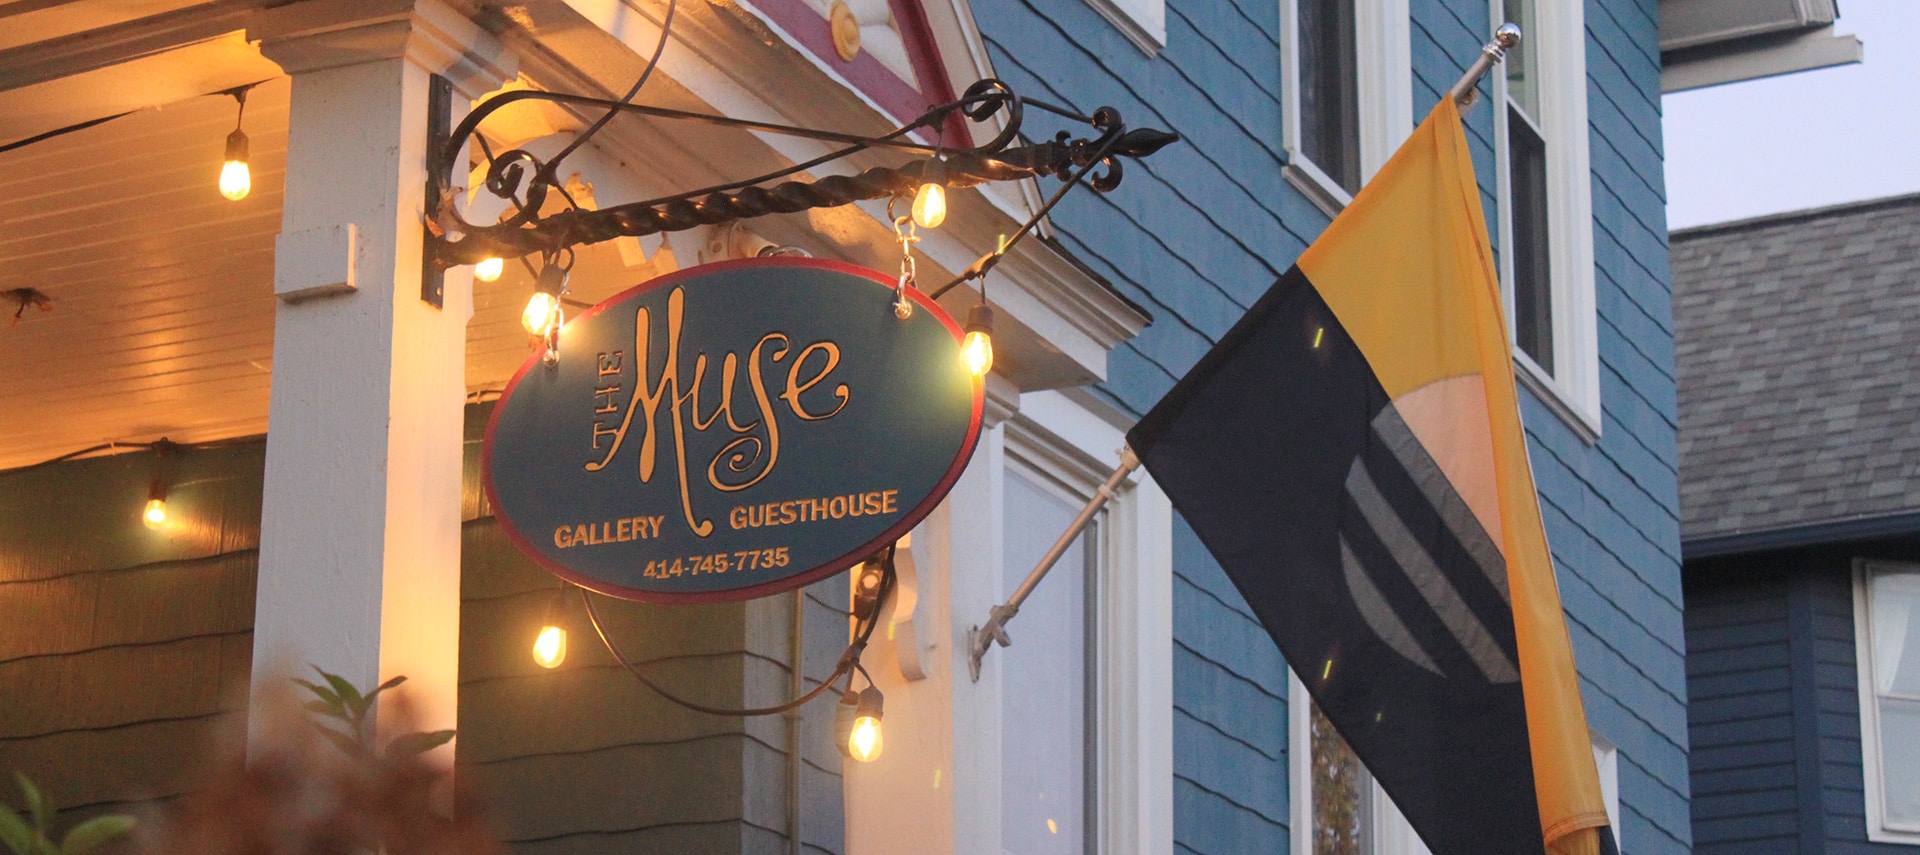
pixel 980 637
pixel 1465 92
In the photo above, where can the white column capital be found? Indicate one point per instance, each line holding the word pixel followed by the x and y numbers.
pixel 320 34
pixel 1002 401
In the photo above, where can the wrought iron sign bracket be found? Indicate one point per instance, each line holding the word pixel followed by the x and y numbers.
pixel 527 183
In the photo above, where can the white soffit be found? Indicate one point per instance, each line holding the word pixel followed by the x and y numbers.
pixel 162 316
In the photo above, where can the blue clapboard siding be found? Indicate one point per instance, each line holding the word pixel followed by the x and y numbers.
pixel 1200 230
pixel 1776 763
pixel 1740 685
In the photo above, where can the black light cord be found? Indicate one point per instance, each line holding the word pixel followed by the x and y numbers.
pixel 158 444
pixel 979 268
pixel 849 661
pixel 666 28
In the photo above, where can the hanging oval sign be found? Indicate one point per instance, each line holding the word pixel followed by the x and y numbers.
pixel 731 431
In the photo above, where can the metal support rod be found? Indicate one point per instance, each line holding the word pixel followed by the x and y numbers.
pixel 980 637
pixel 1466 91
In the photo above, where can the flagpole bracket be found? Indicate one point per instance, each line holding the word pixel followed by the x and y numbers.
pixel 979 638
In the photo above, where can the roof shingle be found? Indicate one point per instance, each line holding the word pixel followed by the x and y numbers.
pixel 1797 339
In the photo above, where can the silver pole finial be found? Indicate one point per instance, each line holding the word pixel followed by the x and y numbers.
pixel 1505 38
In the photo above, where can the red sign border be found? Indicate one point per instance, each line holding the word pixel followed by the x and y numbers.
pixel 784 583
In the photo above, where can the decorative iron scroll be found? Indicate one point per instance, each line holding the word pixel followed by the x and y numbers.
pixel 526 182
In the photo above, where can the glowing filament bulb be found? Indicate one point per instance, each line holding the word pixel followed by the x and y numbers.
pixel 236 181
pixel 550 646
pixel 976 350
pixel 542 312
pixel 930 206
pixel 489 269
pixel 156 513
pixel 865 742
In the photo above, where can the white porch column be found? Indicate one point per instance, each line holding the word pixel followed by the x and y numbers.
pixel 360 529
pixel 936 789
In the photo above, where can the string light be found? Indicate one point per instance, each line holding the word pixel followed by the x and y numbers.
pixel 155 514
pixel 489 269
pixel 976 350
pixel 550 645
pixel 858 721
pixel 543 308
pixel 930 203
pixel 236 180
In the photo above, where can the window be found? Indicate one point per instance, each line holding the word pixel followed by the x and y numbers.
pixel 1348 92
pixel 1142 21
pixel 1046 795
pixel 1545 207
pixel 1887 640
pixel 1337 808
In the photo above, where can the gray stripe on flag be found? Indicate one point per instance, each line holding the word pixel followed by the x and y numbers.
pixel 1426 577
pixel 1379 615
pixel 1407 448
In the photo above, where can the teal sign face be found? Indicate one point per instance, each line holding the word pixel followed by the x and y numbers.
pixel 732 431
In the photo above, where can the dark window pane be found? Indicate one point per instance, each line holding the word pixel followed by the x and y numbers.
pixel 1329 108
pixel 1532 277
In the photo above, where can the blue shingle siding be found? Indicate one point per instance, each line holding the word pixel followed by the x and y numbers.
pixel 1199 232
pixel 1776 765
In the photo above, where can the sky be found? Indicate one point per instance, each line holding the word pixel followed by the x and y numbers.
pixel 1803 140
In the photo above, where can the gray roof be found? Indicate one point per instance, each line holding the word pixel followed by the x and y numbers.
pixel 1797 338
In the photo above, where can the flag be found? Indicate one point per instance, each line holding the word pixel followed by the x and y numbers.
pixel 1351 453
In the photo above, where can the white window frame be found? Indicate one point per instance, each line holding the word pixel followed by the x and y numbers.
pixel 1606 761
pixel 1877 828
pixel 1573 390
pixel 1391 834
pixel 1383 70
pixel 1143 22
pixel 1132 669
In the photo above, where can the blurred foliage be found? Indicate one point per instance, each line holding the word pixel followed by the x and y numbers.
pixel 31 833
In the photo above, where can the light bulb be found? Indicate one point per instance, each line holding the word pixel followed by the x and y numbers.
pixel 155 514
pixel 489 269
pixel 977 353
pixel 930 206
pixel 976 350
pixel 550 646
pixel 235 179
pixel 865 742
pixel 541 309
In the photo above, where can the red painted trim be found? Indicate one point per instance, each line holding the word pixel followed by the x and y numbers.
pixel 866 74
pixel 786 583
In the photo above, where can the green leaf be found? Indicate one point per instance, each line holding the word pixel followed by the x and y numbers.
pixel 44 846
pixel 15 833
pixel 356 704
pixel 37 806
pixel 344 742
pixel 385 686
pixel 100 829
pixel 414 744
pixel 334 706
